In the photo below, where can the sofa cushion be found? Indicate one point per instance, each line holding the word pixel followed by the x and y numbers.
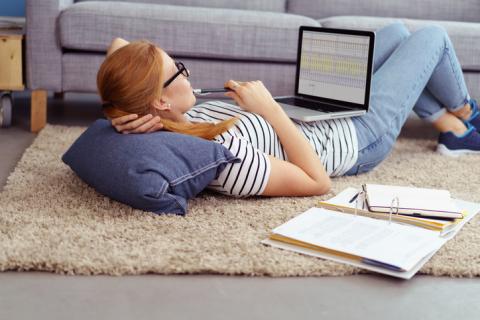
pixel 155 172
pixel 464 35
pixel 264 5
pixel 453 10
pixel 184 31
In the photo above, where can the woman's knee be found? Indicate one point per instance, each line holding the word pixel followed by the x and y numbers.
pixel 434 31
pixel 400 30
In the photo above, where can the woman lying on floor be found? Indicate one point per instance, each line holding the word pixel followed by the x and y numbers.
pixel 144 90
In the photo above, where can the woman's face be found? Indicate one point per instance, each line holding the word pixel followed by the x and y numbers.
pixel 179 93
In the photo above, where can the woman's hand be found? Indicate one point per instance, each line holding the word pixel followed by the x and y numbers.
pixel 252 96
pixel 132 124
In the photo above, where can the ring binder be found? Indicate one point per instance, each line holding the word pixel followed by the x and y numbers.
pixel 395 199
pixel 397 249
pixel 418 202
pixel 345 202
pixel 360 197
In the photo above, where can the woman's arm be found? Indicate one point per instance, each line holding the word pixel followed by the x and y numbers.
pixel 131 123
pixel 304 174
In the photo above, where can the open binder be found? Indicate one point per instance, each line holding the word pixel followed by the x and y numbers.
pixel 419 202
pixel 352 200
pixel 384 246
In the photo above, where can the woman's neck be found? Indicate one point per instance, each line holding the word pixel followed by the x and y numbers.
pixel 174 117
pixel 182 118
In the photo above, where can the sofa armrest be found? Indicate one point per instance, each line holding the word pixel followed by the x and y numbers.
pixel 43 49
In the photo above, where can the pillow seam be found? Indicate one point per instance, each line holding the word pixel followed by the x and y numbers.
pixel 197 172
pixel 163 189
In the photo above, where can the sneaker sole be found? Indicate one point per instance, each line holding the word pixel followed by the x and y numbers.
pixel 442 149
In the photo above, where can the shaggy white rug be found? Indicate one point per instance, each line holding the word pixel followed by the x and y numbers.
pixel 50 220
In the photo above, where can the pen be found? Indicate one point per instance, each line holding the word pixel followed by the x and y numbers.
pixel 210 90
pixel 354 197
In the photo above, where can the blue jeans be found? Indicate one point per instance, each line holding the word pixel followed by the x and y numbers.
pixel 419 72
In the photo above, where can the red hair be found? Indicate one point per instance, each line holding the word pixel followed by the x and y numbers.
pixel 130 80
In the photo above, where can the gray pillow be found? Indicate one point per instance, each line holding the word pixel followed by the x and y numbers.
pixel 155 172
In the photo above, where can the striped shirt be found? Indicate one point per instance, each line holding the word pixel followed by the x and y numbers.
pixel 252 139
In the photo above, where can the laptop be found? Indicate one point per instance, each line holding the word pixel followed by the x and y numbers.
pixel 334 74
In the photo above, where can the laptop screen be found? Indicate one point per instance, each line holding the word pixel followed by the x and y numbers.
pixel 334 66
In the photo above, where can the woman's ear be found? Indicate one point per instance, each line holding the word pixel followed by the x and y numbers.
pixel 161 105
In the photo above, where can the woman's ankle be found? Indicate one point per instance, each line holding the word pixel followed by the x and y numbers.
pixel 463 113
pixel 450 122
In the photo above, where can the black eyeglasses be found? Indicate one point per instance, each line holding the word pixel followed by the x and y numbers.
pixel 181 70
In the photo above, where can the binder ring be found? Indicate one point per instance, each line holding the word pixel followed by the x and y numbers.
pixel 359 198
pixel 397 207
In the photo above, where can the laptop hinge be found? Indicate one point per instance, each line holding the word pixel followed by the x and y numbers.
pixel 331 104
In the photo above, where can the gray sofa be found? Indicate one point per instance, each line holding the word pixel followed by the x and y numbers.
pixel 217 39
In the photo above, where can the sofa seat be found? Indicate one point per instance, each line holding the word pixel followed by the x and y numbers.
pixel 212 33
pixel 465 36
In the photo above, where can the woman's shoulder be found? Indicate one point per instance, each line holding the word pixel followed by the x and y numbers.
pixel 216 105
pixel 220 110
pixel 212 111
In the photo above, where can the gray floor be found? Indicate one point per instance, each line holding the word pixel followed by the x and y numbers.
pixel 37 295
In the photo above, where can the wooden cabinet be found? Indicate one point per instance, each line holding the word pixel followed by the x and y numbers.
pixel 11 66
pixel 11 71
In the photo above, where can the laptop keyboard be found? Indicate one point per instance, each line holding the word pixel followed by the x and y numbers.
pixel 311 105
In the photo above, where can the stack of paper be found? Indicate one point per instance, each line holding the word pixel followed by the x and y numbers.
pixel 378 245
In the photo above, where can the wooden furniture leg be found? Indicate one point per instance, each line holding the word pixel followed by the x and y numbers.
pixel 38 115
